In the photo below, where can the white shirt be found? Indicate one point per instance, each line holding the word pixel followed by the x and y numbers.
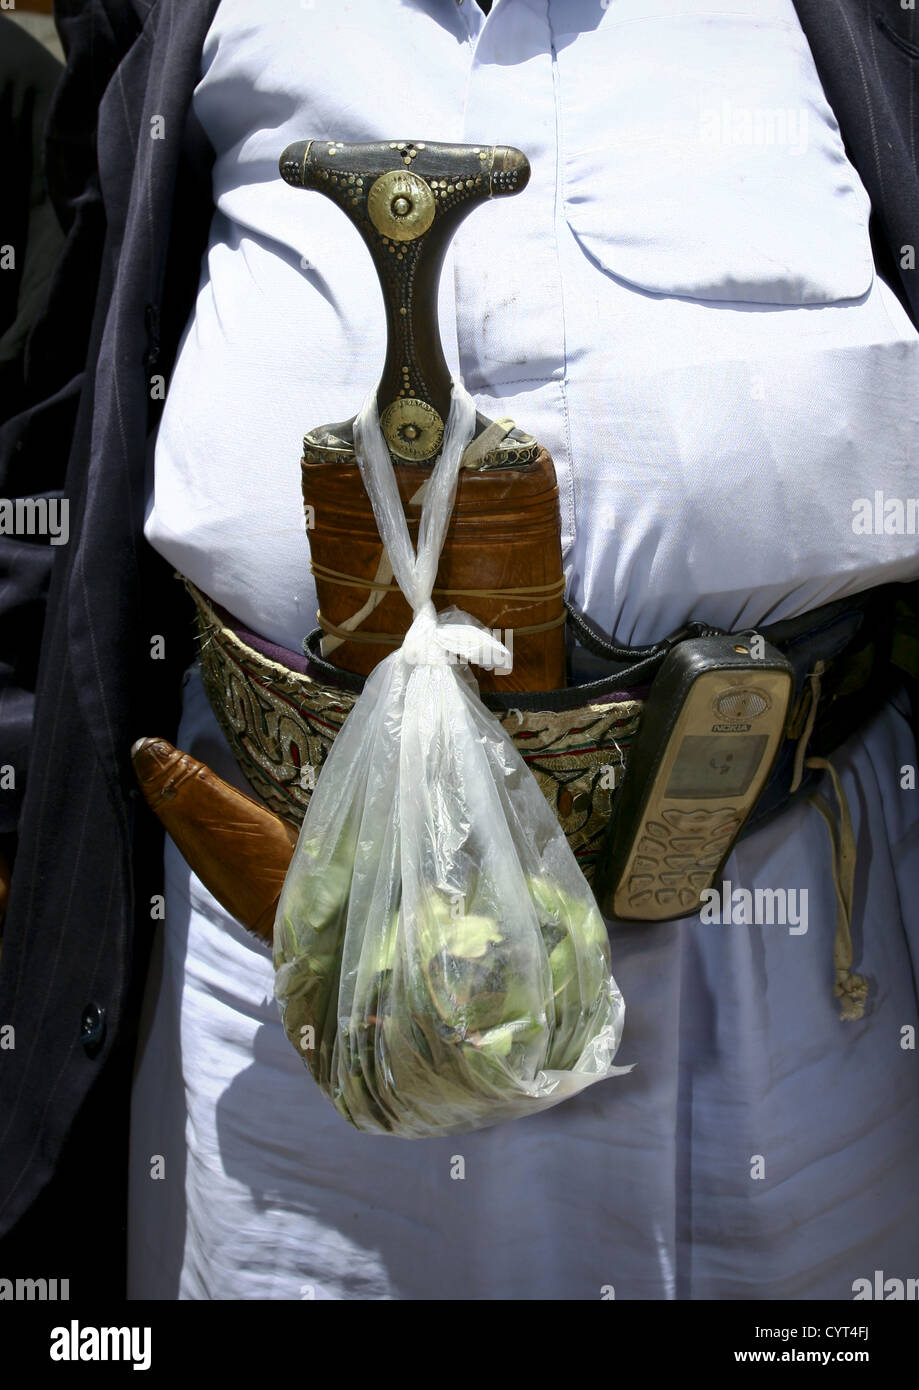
pixel 684 313
pixel 687 316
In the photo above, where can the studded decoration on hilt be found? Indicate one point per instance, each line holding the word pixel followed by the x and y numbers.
pixel 406 199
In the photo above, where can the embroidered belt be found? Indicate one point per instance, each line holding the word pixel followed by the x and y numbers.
pixel 280 722
pixel 280 710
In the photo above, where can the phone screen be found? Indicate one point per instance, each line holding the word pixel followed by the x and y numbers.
pixel 716 765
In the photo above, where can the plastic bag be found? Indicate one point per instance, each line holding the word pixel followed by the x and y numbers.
pixel 441 964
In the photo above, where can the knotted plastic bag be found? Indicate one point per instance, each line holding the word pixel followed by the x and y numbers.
pixel 441 964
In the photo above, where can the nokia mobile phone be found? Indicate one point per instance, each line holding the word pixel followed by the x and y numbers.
pixel 711 728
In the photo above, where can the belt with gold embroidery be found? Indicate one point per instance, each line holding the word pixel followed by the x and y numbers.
pixel 280 710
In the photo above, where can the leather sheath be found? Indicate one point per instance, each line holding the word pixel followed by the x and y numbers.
pixel 237 847
pixel 501 562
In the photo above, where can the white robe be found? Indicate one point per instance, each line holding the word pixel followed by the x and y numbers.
pixel 682 307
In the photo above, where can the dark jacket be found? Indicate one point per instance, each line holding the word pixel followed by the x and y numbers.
pixel 29 75
pixel 79 684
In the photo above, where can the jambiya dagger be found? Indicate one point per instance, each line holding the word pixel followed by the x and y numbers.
pixel 502 557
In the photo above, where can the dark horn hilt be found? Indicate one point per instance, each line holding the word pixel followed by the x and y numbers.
pixel 406 198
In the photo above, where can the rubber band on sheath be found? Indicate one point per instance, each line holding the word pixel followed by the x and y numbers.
pixel 536 593
pixel 395 639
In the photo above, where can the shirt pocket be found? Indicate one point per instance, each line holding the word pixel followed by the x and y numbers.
pixel 700 157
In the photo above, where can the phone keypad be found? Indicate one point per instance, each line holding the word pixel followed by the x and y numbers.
pixel 676 856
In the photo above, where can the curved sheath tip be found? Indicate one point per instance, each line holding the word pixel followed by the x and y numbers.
pixel 238 848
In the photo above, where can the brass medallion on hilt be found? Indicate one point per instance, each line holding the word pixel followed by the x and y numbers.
pixel 400 205
pixel 412 428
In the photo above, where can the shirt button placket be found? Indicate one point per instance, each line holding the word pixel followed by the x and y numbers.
pixel 510 315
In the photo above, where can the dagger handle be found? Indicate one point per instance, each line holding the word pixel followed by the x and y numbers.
pixel 407 198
